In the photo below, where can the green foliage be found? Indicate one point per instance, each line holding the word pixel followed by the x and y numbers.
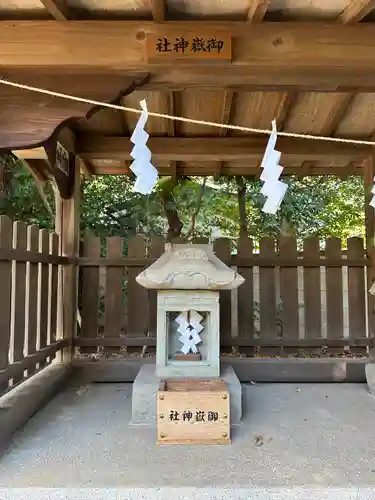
pixel 110 208
pixel 20 198
pixel 314 206
pixel 321 206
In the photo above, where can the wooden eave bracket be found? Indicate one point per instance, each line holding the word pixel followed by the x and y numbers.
pixel 48 120
pixel 43 117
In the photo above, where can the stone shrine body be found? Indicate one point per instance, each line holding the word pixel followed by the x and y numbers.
pixel 188 279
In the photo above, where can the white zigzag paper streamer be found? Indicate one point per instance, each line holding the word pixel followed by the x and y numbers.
pixel 146 174
pixel 372 202
pixel 189 331
pixel 272 188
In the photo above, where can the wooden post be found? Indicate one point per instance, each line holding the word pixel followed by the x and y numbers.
pixel 67 227
pixel 369 173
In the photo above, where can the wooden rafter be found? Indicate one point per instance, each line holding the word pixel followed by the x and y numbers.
pixel 170 104
pixel 158 10
pixel 285 107
pixel 57 8
pixel 337 113
pixel 85 168
pixel 214 148
pixel 31 154
pixel 257 10
pixel 225 119
pixel 226 111
pixel 264 56
pixel 355 11
pixel 171 124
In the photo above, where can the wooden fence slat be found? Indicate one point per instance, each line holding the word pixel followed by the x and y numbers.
pixel 90 292
pixel 19 297
pixel 43 292
pixel 223 250
pixel 246 291
pixel 6 229
pixel 53 286
pixel 356 290
pixel 113 301
pixel 335 306
pixel 137 306
pixel 312 291
pixel 156 250
pixel 32 295
pixel 289 290
pixel 267 292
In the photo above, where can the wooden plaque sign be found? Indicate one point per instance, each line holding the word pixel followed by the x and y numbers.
pixel 62 159
pixel 62 165
pixel 193 411
pixel 189 47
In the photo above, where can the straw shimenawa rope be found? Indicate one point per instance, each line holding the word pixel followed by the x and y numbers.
pixel 183 119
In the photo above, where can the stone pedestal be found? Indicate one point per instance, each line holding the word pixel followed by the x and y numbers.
pixel 146 385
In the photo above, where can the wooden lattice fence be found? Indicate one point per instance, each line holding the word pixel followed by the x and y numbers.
pixel 291 300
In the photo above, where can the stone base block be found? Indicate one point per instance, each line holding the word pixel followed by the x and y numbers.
pixel 146 385
pixel 370 377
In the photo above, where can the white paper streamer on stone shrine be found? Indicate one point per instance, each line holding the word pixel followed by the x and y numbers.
pixel 146 174
pixel 272 188
pixel 189 329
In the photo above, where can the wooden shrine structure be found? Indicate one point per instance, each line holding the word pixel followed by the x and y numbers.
pixel 309 64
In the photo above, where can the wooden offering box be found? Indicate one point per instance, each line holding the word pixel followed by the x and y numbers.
pixel 193 411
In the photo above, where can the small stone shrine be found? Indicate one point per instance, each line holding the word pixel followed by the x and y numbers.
pixel 188 279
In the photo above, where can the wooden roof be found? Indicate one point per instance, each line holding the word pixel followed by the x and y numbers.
pixel 346 110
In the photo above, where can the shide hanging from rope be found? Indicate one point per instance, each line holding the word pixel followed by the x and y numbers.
pixel 146 174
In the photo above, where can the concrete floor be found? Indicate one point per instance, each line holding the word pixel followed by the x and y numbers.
pixel 310 436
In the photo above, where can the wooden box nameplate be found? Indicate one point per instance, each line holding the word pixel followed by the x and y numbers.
pixel 193 411
pixel 191 47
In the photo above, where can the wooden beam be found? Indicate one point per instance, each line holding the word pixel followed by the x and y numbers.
pixel 264 55
pixel 257 10
pixel 40 169
pixel 57 8
pixel 158 10
pixel 92 147
pixel 355 11
pixel 230 169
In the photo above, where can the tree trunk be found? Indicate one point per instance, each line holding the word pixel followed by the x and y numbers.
pixel 174 222
pixel 241 197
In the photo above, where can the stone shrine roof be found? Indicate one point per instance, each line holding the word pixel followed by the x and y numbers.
pixel 189 267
